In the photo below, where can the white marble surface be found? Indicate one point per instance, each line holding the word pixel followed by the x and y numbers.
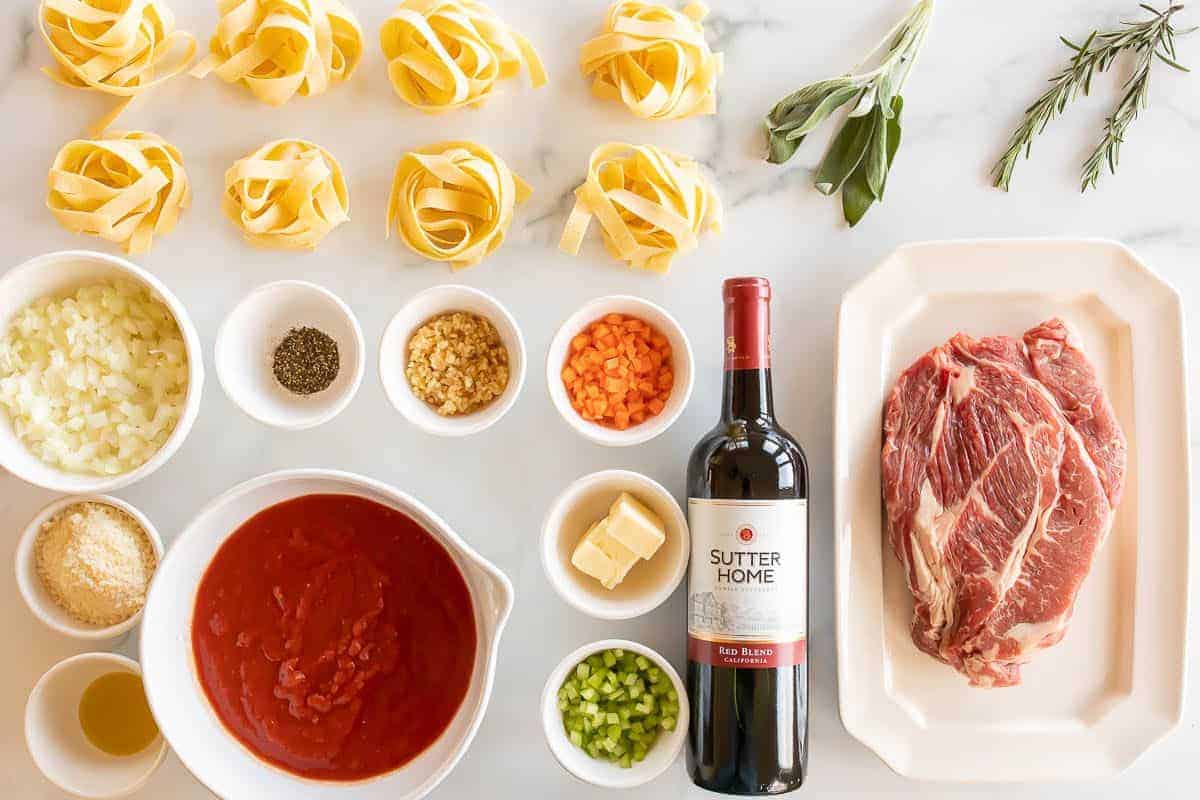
pixel 984 62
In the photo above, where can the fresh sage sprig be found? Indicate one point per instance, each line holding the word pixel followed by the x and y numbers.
pixel 1149 40
pixel 861 154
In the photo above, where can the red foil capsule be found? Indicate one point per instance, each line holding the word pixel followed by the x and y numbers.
pixel 747 323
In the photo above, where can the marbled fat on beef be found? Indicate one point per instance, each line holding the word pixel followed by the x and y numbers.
pixel 1003 463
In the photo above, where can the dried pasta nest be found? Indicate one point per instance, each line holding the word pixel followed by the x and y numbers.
pixel 652 205
pixel 119 47
pixel 287 194
pixel 446 54
pixel 123 187
pixel 280 48
pixel 655 60
pixel 454 201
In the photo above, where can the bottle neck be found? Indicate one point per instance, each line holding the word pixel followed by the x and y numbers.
pixel 748 396
pixel 748 358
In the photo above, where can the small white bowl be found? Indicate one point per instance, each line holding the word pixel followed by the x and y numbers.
pixel 649 583
pixel 682 364
pixel 245 350
pixel 393 357
pixel 603 773
pixel 39 600
pixel 57 742
pixel 63 272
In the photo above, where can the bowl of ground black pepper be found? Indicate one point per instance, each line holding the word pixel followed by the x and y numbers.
pixel 452 360
pixel 290 355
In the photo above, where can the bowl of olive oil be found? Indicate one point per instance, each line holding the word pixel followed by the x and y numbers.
pixel 89 728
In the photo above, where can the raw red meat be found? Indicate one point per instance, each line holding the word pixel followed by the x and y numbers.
pixel 1003 464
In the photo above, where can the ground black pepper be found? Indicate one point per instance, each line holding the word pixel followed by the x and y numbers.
pixel 306 361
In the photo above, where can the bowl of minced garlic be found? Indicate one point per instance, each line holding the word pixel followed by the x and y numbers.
pixel 84 565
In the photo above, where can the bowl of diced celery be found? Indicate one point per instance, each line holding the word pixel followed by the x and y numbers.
pixel 615 713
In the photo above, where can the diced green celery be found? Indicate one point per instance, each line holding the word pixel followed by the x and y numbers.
pixel 615 703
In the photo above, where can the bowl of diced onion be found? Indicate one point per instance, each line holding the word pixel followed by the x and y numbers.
pixel 101 372
pixel 615 714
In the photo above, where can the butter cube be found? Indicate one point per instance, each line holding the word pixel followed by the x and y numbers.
pixel 602 557
pixel 636 527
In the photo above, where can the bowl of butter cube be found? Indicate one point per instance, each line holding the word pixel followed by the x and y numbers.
pixel 615 544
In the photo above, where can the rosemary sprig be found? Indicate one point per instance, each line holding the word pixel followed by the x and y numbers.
pixel 861 154
pixel 1148 40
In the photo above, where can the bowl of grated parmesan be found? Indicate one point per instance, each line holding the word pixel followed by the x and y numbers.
pixel 84 565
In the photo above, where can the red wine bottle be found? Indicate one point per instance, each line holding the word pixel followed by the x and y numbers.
pixel 747 479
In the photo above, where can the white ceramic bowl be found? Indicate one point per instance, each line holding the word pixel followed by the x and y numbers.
pixel 58 273
pixel 245 350
pixel 39 600
pixel 57 742
pixel 649 583
pixel 393 356
pixel 603 773
pixel 181 707
pixel 683 365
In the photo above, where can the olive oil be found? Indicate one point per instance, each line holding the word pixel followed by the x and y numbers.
pixel 115 716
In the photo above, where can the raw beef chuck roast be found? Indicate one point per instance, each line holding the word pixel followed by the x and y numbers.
pixel 1002 466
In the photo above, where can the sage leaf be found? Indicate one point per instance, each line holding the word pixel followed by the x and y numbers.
pixel 845 154
pixel 831 103
pixel 893 140
pixel 857 196
pixel 780 148
pixel 874 163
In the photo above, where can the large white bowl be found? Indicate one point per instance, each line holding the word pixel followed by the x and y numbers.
pixel 682 363
pixel 393 356
pixel 57 273
pixel 58 744
pixel 39 600
pixel 181 707
pixel 604 773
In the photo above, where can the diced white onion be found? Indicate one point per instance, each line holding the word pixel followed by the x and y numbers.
pixel 95 382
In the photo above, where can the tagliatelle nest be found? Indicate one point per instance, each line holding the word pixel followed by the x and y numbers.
pixel 113 46
pixel 454 201
pixel 655 60
pixel 651 204
pixel 288 194
pixel 446 54
pixel 124 187
pixel 279 48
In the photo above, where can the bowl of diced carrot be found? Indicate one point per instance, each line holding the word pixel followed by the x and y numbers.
pixel 620 370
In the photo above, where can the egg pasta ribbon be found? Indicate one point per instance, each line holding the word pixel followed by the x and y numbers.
pixel 124 188
pixel 655 60
pixel 119 47
pixel 446 54
pixel 287 194
pixel 280 48
pixel 651 205
pixel 454 201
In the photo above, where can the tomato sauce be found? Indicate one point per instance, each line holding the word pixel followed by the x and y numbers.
pixel 334 637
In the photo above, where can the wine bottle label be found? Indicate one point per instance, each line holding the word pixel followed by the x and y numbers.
pixel 748 582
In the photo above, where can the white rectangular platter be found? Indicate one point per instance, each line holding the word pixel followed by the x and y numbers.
pixel 1090 706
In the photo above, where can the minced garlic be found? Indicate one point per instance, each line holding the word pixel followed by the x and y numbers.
pixel 96 561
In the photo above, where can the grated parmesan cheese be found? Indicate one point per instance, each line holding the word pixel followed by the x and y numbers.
pixel 96 561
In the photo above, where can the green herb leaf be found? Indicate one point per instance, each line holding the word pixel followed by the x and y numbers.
pixel 857 196
pixel 845 154
pixel 832 102
pixel 874 163
pixel 780 148
pixel 893 139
